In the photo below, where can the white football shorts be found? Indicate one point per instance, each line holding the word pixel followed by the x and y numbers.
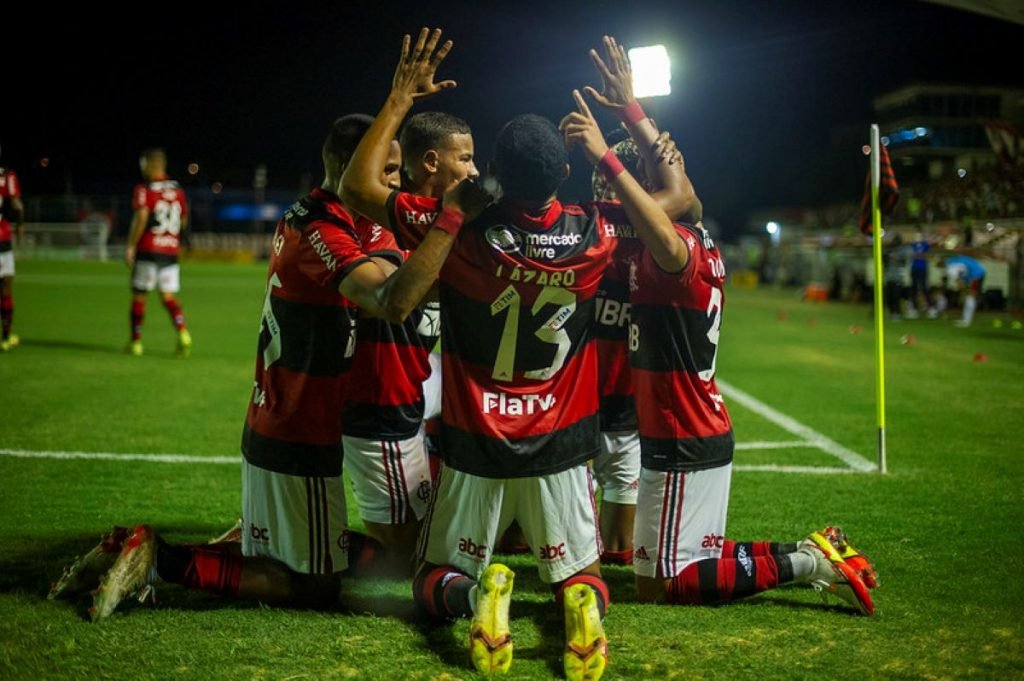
pixel 299 521
pixel 390 478
pixel 617 467
pixel 557 512
pixel 680 518
pixel 7 264
pixel 148 275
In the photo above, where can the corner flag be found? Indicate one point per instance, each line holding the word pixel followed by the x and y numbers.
pixel 880 196
pixel 888 191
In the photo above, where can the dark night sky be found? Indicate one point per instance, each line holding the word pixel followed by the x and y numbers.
pixel 758 86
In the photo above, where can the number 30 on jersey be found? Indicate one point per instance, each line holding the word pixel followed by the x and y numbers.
pixel 714 318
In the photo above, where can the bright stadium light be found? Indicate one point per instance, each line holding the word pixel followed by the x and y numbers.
pixel 772 228
pixel 652 71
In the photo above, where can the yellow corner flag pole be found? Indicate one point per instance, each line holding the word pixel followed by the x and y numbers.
pixel 876 216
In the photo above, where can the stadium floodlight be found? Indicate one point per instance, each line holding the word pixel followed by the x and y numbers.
pixel 652 71
pixel 772 228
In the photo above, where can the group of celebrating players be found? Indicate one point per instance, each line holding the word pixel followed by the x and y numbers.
pixel 578 347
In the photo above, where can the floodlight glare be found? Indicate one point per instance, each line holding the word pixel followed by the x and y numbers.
pixel 772 228
pixel 652 71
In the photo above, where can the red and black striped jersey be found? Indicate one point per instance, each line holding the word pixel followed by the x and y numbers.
pixel 611 317
pixel 385 393
pixel 411 216
pixel 306 343
pixel 517 310
pixel 165 201
pixel 10 189
pixel 673 342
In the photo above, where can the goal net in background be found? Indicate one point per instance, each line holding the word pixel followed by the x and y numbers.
pixel 65 241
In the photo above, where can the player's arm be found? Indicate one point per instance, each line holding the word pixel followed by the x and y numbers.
pixel 652 224
pixel 139 219
pixel 388 267
pixel 18 208
pixel 361 188
pixel 384 264
pixel 673 190
pixel 393 296
pixel 665 152
pixel 184 232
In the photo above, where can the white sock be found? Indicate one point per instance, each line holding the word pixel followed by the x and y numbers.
pixel 804 562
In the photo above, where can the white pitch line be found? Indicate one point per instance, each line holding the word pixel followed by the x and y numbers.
pixel 222 460
pixel 155 458
pixel 813 439
pixel 847 456
pixel 188 458
pixel 775 445
pixel 775 468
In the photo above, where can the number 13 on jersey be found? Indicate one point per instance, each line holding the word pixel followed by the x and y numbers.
pixel 550 330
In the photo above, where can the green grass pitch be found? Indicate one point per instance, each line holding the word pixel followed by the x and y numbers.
pixel 944 527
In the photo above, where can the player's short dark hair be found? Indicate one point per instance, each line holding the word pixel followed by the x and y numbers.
pixel 429 130
pixel 530 158
pixel 345 134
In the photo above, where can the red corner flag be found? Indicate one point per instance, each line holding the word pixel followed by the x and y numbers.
pixel 888 192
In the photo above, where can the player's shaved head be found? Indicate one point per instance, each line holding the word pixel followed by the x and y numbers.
pixel 344 136
pixel 153 162
pixel 530 160
pixel 153 154
pixel 429 130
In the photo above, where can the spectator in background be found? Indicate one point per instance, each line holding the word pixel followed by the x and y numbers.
pixel 88 217
pixel 968 275
pixel 894 273
pixel 919 275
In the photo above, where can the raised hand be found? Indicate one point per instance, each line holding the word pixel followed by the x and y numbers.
pixel 579 127
pixel 665 150
pixel 414 76
pixel 616 76
pixel 468 197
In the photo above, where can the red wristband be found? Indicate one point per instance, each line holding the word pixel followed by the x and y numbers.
pixel 610 165
pixel 631 113
pixel 449 221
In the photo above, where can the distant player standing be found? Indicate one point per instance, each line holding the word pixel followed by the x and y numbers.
pixel 161 213
pixel 10 206
pixel 968 275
